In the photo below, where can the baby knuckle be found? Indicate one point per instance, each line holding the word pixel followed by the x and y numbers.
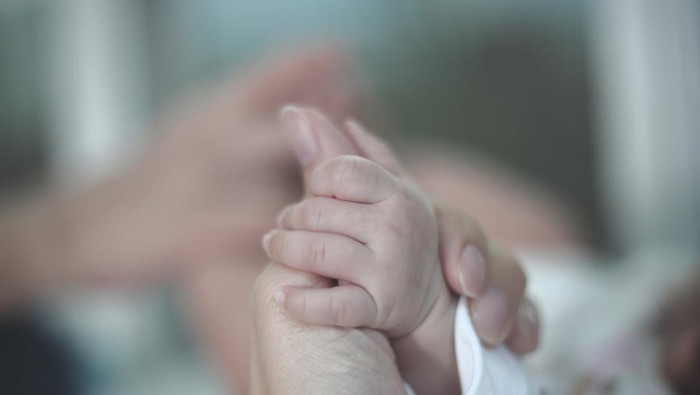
pixel 345 169
pixel 340 311
pixel 315 253
pixel 311 216
pixel 398 215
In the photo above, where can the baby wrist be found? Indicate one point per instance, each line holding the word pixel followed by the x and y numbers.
pixel 426 356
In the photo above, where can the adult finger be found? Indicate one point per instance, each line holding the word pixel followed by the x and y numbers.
pixel 372 148
pixel 524 336
pixel 313 137
pixel 494 310
pixel 290 76
pixel 291 357
pixel 463 246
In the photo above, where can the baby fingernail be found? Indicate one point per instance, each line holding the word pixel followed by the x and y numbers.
pixel 297 127
pixel 527 322
pixel 279 298
pixel 491 315
pixel 266 242
pixel 471 271
pixel 280 217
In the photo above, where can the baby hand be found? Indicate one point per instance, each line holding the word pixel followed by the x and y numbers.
pixel 366 225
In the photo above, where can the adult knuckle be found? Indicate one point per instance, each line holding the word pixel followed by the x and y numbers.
pixel 473 232
pixel 263 289
pixel 516 269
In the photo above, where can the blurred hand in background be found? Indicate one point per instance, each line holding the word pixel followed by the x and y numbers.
pixel 213 180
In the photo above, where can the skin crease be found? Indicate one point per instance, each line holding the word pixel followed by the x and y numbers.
pixel 194 207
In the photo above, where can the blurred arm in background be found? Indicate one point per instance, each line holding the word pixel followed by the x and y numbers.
pixel 213 180
pixel 201 198
pixel 512 209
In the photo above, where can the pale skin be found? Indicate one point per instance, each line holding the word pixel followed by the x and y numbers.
pixel 193 208
pixel 375 232
pixel 366 227
pixel 294 358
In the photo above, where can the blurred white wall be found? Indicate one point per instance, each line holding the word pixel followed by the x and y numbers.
pixel 99 105
pixel 646 57
pixel 99 90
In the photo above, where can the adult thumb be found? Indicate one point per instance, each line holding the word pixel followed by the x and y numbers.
pixel 313 137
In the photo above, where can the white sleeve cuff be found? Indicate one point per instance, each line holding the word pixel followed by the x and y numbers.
pixel 485 371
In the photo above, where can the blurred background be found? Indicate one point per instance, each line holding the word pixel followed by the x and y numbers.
pixel 595 100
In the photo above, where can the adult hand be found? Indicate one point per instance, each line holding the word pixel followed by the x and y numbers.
pixel 290 357
pixel 491 278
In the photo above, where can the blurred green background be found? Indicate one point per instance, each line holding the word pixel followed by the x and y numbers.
pixel 507 78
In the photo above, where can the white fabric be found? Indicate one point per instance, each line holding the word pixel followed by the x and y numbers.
pixel 485 371
pixel 600 316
